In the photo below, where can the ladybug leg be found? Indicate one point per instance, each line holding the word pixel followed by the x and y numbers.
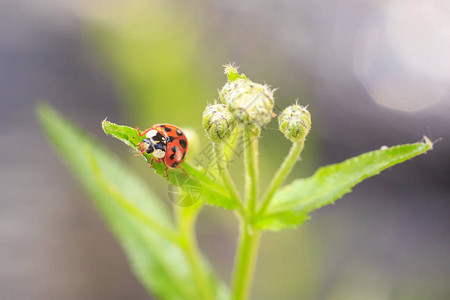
pixel 143 132
pixel 138 131
pixel 141 151
pixel 159 160
pixel 142 148
pixel 184 171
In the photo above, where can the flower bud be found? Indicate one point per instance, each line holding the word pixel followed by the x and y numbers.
pixel 218 122
pixel 295 122
pixel 250 103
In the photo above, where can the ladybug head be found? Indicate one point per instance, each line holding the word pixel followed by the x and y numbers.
pixel 146 146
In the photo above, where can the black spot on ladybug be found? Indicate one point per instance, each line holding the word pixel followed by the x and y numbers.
pixel 175 164
pixel 179 132
pixel 184 155
pixel 158 137
pixel 172 156
pixel 167 129
pixel 174 149
pixel 183 143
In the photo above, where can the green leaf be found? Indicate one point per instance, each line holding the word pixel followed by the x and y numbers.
pixel 133 212
pixel 291 204
pixel 196 184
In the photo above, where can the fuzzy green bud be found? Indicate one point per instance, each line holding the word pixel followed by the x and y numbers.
pixel 218 122
pixel 250 103
pixel 295 122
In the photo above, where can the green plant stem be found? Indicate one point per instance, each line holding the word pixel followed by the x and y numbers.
pixel 249 239
pixel 251 170
pixel 281 174
pixel 194 258
pixel 245 262
pixel 226 178
pixel 186 217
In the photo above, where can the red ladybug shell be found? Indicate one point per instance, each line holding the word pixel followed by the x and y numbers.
pixel 177 144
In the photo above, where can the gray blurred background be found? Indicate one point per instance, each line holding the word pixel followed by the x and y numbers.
pixel 373 72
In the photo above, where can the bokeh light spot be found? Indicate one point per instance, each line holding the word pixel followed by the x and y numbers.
pixel 401 56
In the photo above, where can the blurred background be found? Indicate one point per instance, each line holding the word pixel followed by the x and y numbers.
pixel 374 73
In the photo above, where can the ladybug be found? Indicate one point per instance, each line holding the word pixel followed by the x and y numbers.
pixel 167 143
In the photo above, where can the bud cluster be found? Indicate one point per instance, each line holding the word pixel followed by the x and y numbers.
pixel 250 105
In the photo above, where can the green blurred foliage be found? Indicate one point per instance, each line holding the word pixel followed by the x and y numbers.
pixel 155 52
